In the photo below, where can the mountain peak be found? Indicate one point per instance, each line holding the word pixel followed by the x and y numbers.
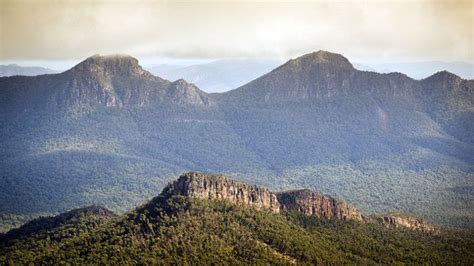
pixel 204 186
pixel 116 64
pixel 183 92
pixel 310 203
pixel 306 78
pixel 97 58
pixel 443 76
pixel 321 57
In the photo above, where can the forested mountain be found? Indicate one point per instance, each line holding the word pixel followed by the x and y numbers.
pixel 107 132
pixel 232 223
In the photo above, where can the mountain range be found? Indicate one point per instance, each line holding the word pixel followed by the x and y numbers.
pixel 421 70
pixel 110 133
pixel 214 219
pixel 226 74
pixel 16 70
pixel 217 76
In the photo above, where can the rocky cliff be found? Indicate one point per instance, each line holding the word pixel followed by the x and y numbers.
pixel 406 221
pixel 317 204
pixel 222 187
pixel 204 186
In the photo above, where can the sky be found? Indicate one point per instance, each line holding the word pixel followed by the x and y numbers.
pixel 63 32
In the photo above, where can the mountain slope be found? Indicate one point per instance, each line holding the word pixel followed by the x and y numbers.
pixel 104 132
pixel 111 81
pixel 226 232
pixel 356 133
pixel 108 132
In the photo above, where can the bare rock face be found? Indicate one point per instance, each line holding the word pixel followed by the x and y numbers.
pixel 319 205
pixel 185 93
pixel 410 222
pixel 204 186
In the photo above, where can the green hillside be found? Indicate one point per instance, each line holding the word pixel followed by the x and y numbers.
pixel 181 230
pixel 115 136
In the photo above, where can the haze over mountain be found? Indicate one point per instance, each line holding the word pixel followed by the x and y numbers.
pixel 16 70
pixel 108 132
pixel 226 74
pixel 421 70
pixel 217 76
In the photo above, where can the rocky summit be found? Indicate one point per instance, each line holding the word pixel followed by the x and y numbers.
pixel 305 201
pixel 397 220
pixel 221 187
pixel 319 205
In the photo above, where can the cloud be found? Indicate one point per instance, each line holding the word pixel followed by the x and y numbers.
pixel 63 30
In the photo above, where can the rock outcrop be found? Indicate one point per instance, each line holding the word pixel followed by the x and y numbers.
pixel 182 92
pixel 204 186
pixel 319 205
pixel 405 221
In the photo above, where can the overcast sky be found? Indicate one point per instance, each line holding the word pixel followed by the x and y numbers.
pixel 384 31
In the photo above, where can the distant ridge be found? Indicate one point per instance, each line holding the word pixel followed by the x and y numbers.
pixel 323 75
pixel 110 81
pixel 16 70
pixel 422 70
pixel 217 76
pixel 108 132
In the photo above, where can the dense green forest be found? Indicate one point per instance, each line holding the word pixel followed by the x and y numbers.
pixel 132 154
pixel 182 230
pixel 383 142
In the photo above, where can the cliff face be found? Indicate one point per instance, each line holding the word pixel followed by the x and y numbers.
pixel 316 204
pixel 397 221
pixel 204 186
pixel 182 92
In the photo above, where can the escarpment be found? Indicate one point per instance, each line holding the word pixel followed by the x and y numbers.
pixel 400 220
pixel 204 186
pixel 305 201
pixel 317 204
